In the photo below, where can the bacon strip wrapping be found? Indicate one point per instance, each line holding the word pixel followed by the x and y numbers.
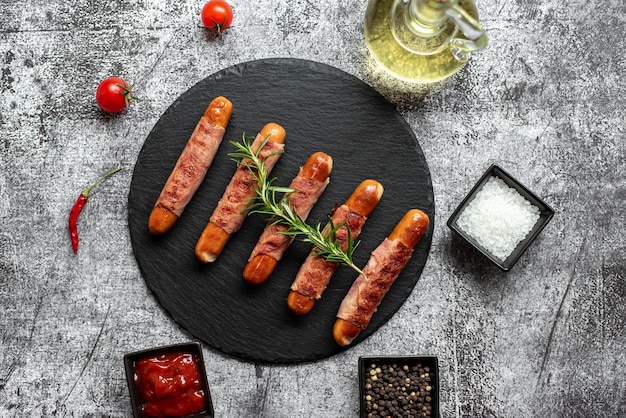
pixel 368 290
pixel 230 212
pixel 315 273
pixel 307 187
pixel 191 167
pixel 379 274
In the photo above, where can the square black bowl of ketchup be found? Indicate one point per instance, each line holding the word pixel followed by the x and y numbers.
pixel 168 381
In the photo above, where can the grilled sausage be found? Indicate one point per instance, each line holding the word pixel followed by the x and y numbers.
pixel 307 187
pixel 380 272
pixel 229 213
pixel 316 272
pixel 191 167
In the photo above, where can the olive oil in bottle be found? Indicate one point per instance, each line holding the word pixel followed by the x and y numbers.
pixel 422 41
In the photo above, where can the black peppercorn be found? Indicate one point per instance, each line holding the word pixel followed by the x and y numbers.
pixel 398 390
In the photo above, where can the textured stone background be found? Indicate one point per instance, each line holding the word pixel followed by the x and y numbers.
pixel 545 100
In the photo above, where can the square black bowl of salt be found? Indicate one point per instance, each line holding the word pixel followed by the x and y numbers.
pixel 399 386
pixel 500 217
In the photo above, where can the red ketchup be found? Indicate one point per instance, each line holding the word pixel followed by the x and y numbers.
pixel 170 385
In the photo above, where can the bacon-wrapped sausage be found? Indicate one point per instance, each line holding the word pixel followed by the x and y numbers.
pixel 316 272
pixel 308 186
pixel 229 213
pixel 380 272
pixel 191 167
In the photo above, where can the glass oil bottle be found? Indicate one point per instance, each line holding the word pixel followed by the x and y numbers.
pixel 423 41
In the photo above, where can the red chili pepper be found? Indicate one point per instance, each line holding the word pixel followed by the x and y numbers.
pixel 78 207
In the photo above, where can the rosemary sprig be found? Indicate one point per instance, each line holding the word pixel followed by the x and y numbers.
pixel 280 211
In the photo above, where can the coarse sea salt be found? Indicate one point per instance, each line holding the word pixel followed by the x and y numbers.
pixel 498 218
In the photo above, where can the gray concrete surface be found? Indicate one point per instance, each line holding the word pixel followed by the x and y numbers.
pixel 545 100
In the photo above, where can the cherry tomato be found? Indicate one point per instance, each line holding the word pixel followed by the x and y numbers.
pixel 114 94
pixel 217 15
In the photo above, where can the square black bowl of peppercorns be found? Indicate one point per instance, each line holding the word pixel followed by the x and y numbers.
pixel 404 386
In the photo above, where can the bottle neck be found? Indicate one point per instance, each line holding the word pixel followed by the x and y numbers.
pixel 428 18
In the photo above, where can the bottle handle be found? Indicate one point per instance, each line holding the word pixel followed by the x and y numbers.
pixel 476 37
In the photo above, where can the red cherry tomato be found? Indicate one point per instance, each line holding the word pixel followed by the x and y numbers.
pixel 114 94
pixel 217 15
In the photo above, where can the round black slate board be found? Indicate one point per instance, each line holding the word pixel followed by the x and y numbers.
pixel 322 109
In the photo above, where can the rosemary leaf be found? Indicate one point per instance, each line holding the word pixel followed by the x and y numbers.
pixel 279 211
